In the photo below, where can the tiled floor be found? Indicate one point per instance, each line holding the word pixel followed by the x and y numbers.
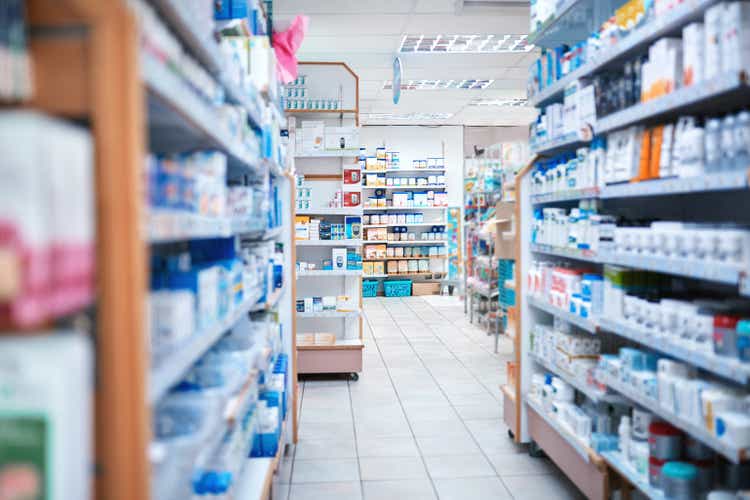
pixel 424 420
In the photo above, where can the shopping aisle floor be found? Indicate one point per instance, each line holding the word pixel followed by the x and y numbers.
pixel 424 420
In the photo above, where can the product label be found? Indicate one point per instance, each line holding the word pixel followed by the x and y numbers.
pixel 24 457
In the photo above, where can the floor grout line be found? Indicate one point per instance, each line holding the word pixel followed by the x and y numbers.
pixel 400 403
pixel 473 438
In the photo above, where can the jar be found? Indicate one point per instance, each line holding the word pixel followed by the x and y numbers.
pixel 664 441
pixel 679 481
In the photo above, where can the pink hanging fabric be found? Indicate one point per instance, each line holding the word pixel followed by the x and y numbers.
pixel 286 43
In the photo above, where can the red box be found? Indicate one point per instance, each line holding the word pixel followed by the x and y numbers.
pixel 352 199
pixel 352 176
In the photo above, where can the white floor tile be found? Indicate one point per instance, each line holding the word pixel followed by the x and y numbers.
pixel 456 466
pixel 409 489
pixel 351 490
pixel 388 468
pixel 325 471
pixel 475 488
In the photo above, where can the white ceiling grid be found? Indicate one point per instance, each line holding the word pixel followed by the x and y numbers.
pixel 367 35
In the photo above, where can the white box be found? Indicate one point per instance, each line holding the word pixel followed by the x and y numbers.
pixel 693 51
pixel 338 259
pixel 735 41
pixel 712 32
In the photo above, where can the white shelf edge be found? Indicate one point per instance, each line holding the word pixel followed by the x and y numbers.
pixel 568 195
pixel 302 274
pixel 732 369
pixel 407 243
pixel 328 154
pixel 328 243
pixel 702 270
pixel 715 181
pixel 174 366
pixel 354 211
pixel 329 314
pixel 570 253
pixel 379 209
pixel 658 27
pixel 615 460
pixel 583 323
pixel 730 452
pixel 568 141
pixel 409 224
pixel 398 188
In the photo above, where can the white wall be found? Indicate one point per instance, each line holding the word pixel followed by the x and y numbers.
pixel 421 142
pixel 487 136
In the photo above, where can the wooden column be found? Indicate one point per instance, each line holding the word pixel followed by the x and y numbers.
pixel 119 128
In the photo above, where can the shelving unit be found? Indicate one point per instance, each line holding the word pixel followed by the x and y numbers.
pixel 323 171
pixel 722 193
pixel 90 68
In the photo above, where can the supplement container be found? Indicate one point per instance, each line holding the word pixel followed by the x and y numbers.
pixel 713 144
pixel 743 340
pixel 679 481
pixel 725 335
pixel 664 441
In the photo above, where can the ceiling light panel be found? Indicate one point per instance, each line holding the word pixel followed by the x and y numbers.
pixel 505 103
pixel 407 116
pixel 440 84
pixel 464 44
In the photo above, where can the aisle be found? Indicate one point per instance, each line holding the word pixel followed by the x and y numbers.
pixel 423 421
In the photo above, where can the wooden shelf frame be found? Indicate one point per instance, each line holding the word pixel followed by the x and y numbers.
pixel 86 58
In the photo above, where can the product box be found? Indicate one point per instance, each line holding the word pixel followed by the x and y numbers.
pixel 338 256
pixel 313 136
pixel 392 266
pixel 352 176
pixel 367 268
pixel 353 227
pixel 425 288
pixel 352 199
pixel 378 268
pixel 341 139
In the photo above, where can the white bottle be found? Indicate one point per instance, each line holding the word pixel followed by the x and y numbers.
pixel 624 433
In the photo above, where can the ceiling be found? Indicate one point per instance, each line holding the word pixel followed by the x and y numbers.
pixel 366 34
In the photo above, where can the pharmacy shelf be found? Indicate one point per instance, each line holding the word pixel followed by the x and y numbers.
pixel 272 233
pixel 331 211
pixel 730 368
pixel 406 258
pixel 687 268
pixel 638 39
pixel 567 142
pixel 570 253
pixel 567 195
pixel 701 97
pixel 715 181
pixel 321 273
pixel 383 209
pixel 166 226
pixel 374 276
pixel 593 393
pixel 202 46
pixel 405 170
pixel 328 243
pixel 328 154
pixel 416 273
pixel 617 462
pixel 411 224
pixel 582 323
pixel 173 368
pixel 699 432
pixel 579 446
pixel 408 243
pixel 415 187
pixel 329 314
pixel 179 120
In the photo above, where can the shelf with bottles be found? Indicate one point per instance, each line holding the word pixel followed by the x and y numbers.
pixel 313 228
pixel 324 90
pixel 339 192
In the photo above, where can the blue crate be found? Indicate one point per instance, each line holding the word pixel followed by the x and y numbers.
pixel 400 288
pixel 369 288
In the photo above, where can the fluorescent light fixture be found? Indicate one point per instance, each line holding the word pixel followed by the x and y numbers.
pixel 440 84
pixel 407 116
pixel 511 103
pixel 464 44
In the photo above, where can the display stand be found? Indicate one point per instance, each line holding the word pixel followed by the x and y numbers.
pixel 88 67
pixel 323 167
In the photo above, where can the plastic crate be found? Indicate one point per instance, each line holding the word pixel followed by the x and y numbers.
pixel 369 288
pixel 400 288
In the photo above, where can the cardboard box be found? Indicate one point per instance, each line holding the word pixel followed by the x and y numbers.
pixel 425 288
pixel 505 248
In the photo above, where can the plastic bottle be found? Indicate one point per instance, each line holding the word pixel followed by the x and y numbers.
pixel 624 433
pixel 728 146
pixel 713 144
